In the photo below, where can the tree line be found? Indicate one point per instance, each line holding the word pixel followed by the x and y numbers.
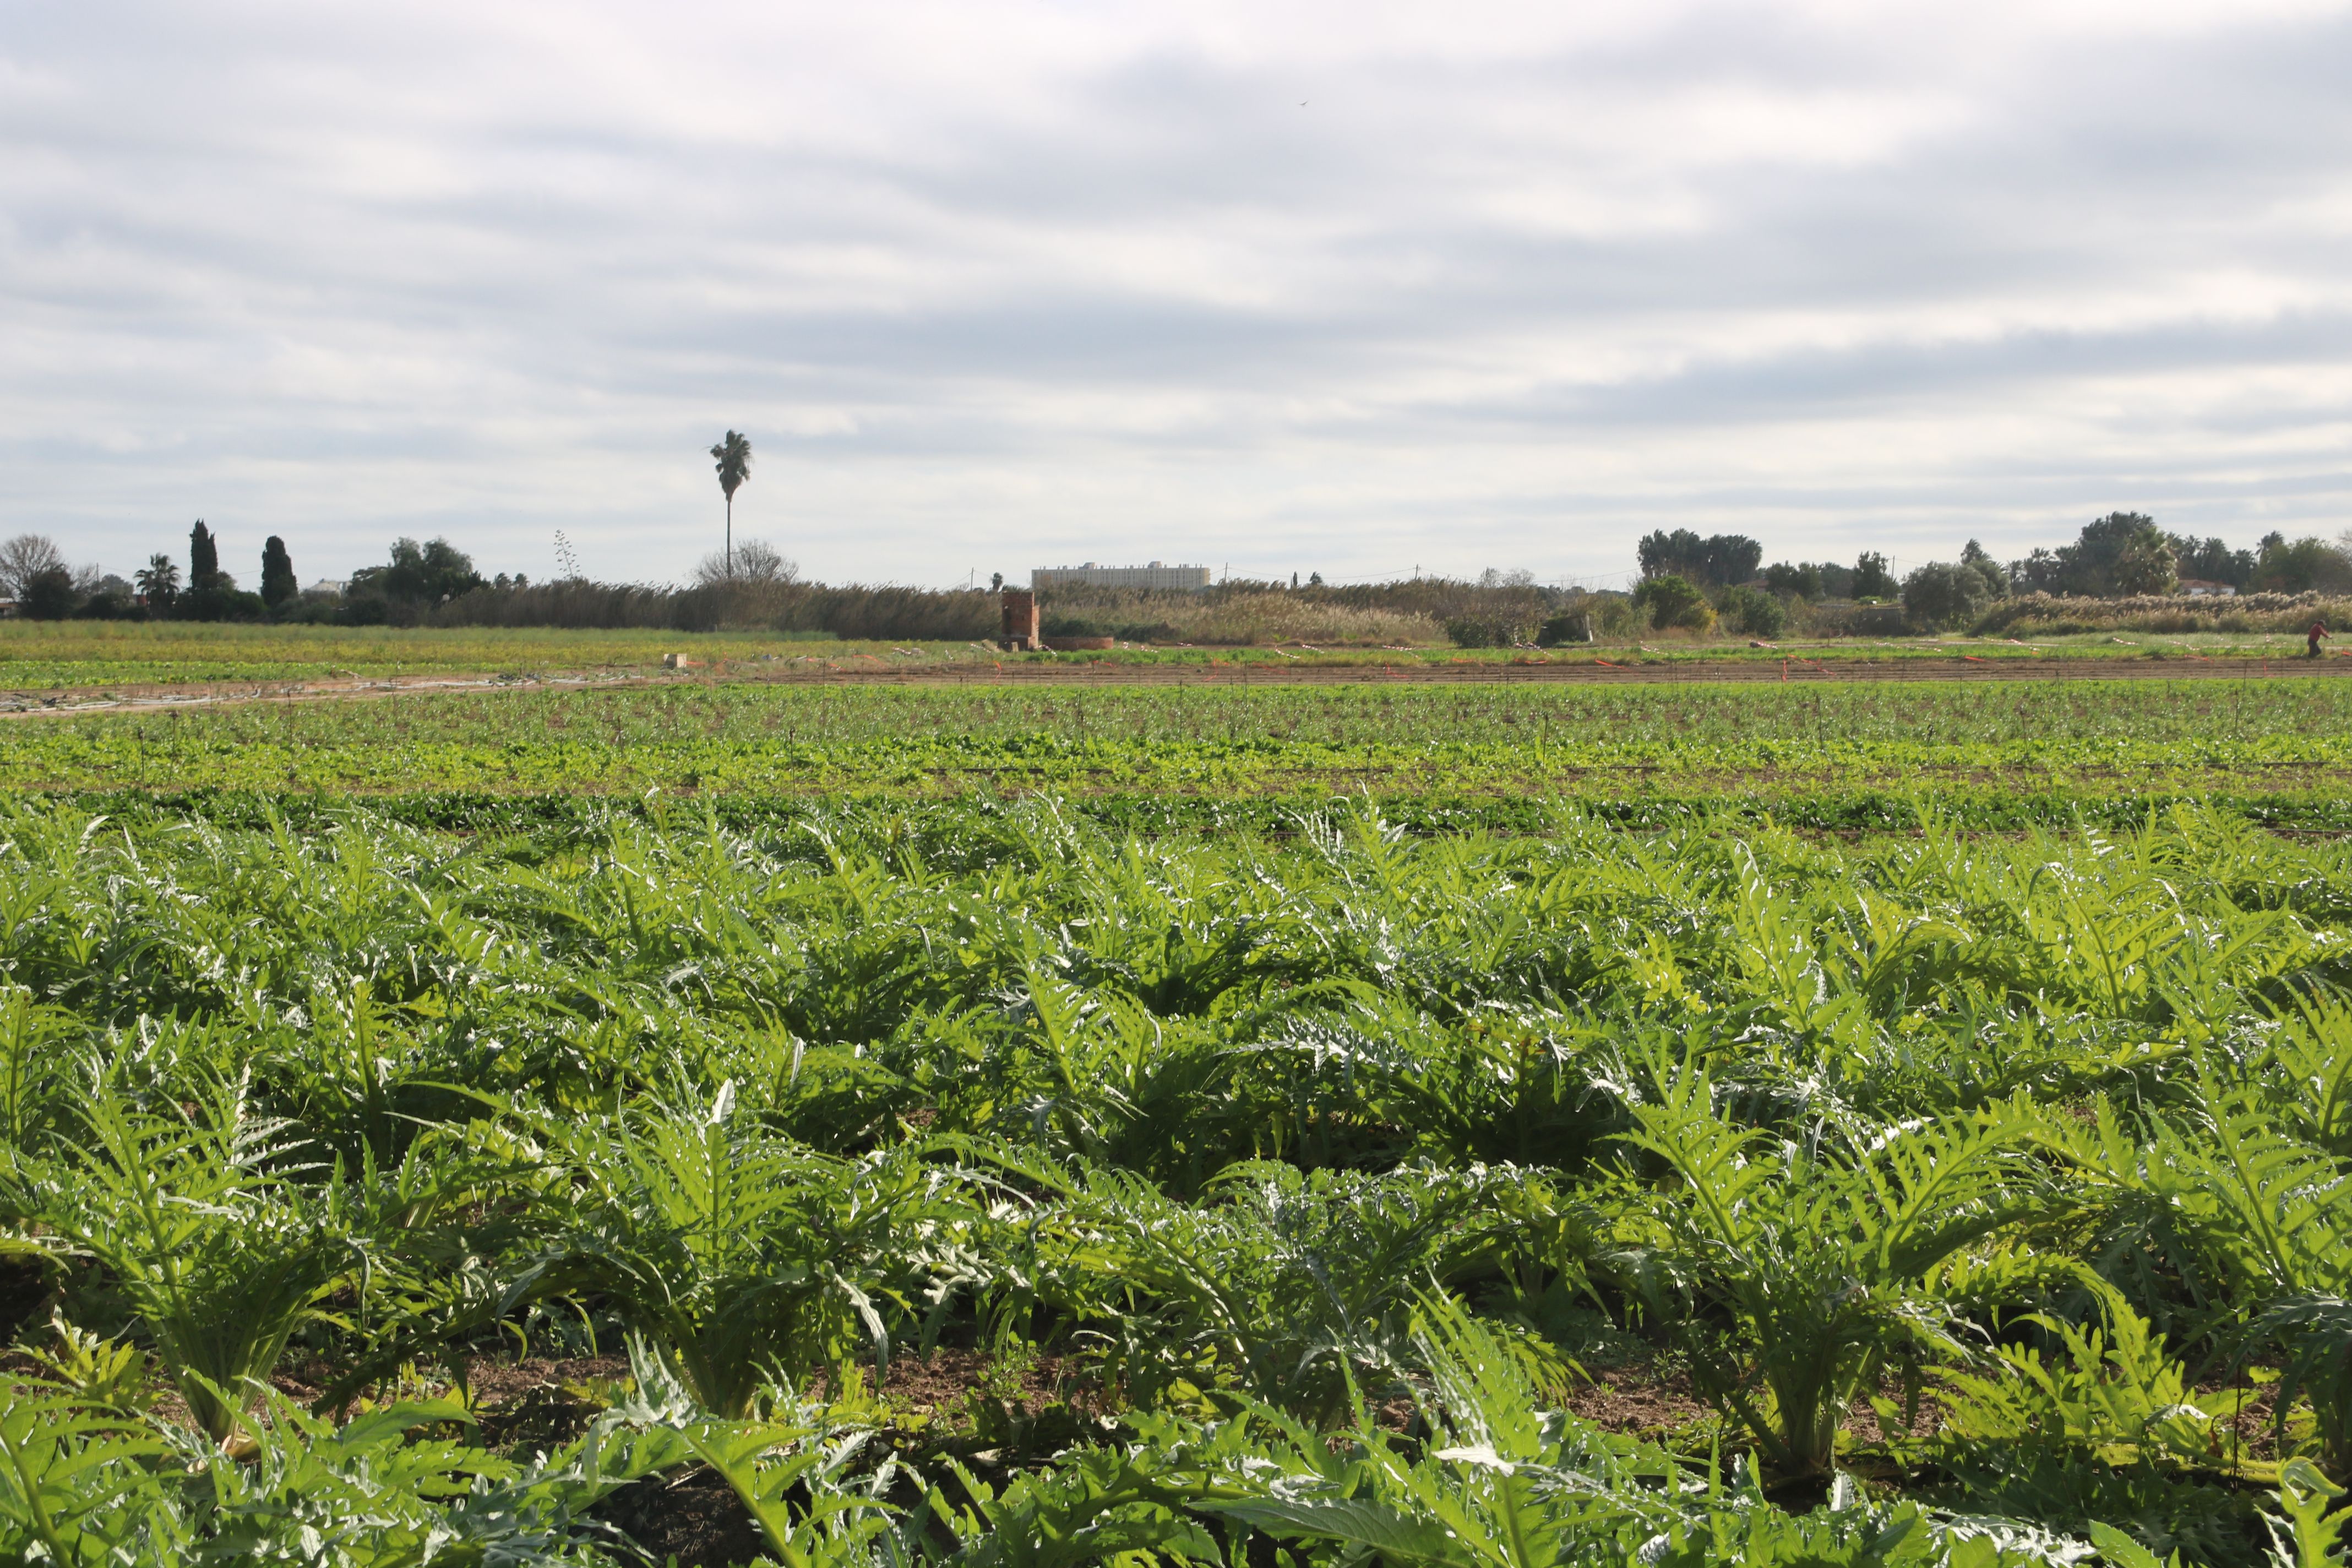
pixel 1687 581
pixel 433 583
pixel 1696 583
pixel 37 578
pixel 417 580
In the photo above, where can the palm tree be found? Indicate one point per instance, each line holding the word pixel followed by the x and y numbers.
pixel 734 455
pixel 160 581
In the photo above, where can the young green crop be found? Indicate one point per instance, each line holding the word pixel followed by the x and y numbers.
pixel 1270 1140
pixel 1824 1253
pixel 1979 749
pixel 52 655
pixel 219 1255
pixel 2180 713
pixel 748 1262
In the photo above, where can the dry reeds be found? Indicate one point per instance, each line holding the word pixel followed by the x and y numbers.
pixel 1235 620
pixel 2051 615
pixel 1411 611
pixel 852 612
pixel 1415 612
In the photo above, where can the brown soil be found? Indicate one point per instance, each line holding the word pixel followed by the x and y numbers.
pixel 690 1517
pixel 2252 1435
pixel 942 1384
pixel 24 1284
pixel 538 1404
pixel 1639 1404
pixel 1862 1426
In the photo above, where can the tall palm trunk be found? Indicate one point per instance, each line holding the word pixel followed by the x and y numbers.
pixel 734 455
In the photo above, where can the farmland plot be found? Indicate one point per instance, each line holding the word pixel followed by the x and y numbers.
pixel 923 1181
pixel 1860 756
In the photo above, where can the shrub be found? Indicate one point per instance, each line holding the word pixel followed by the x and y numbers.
pixel 1867 620
pixel 1616 615
pixel 1757 615
pixel 109 604
pixel 1674 601
pixel 1872 580
pixel 1975 558
pixel 1941 594
pixel 48 595
pixel 1565 626
pixel 1482 631
pixel 219 599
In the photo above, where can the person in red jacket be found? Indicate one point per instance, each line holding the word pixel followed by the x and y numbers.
pixel 2318 630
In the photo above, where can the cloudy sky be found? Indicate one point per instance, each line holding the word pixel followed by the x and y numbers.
pixel 1350 287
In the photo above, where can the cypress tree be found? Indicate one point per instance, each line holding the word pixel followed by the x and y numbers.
pixel 204 556
pixel 277 572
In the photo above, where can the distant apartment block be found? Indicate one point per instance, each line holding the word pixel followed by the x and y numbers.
pixel 1159 574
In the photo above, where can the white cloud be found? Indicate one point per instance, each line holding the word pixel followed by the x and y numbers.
pixel 992 284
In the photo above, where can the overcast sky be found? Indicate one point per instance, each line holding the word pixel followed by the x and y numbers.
pixel 1356 287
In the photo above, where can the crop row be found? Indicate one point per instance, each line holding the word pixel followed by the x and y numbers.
pixel 1981 747
pixel 1990 1195
pixel 43 655
pixel 2184 713
pixel 39 655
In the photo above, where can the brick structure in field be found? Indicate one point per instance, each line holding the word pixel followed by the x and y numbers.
pixel 1021 620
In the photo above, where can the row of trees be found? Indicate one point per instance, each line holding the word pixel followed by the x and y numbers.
pixel 1693 581
pixel 35 576
pixel 1688 581
pixel 2123 555
pixel 2120 555
pixel 1725 560
pixel 434 582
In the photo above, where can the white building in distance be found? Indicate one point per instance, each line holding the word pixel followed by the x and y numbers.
pixel 1158 574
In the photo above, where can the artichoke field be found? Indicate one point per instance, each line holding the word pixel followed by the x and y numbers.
pixel 1988 1193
